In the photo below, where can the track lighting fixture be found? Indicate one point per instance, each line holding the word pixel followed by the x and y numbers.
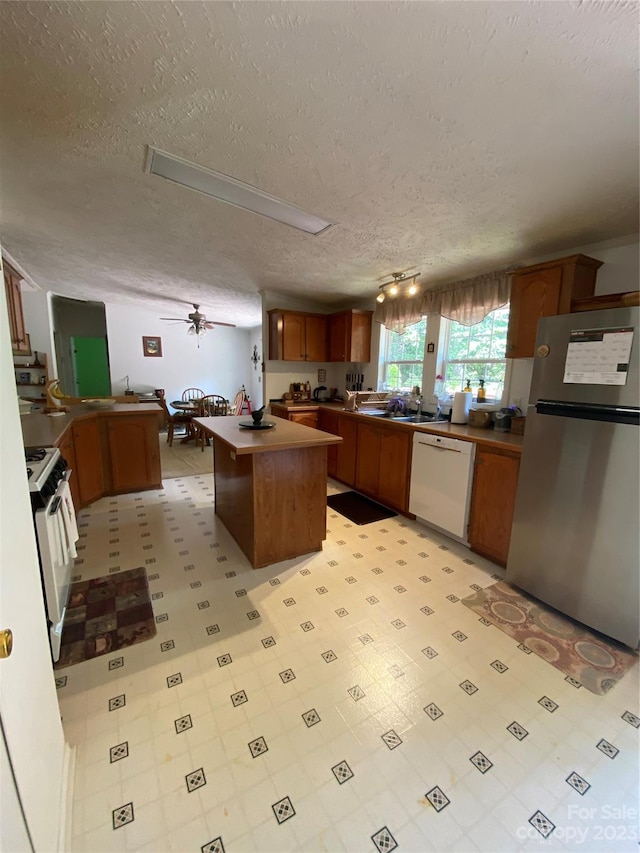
pixel 392 288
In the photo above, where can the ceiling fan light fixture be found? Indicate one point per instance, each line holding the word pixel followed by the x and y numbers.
pixel 380 297
pixel 231 191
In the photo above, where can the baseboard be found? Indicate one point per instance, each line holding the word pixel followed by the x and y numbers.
pixel 66 799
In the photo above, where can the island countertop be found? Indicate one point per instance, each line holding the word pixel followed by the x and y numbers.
pixel 285 435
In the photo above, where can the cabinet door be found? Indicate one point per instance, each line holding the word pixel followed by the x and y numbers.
pixel 315 326
pixel 394 473
pixel 492 502
pixel 131 451
pixel 368 461
pixel 360 337
pixel 350 336
pixel 86 442
pixel 328 422
pixel 293 337
pixel 346 461
pixel 68 453
pixel 309 419
pixel 19 341
pixel 338 337
pixel 533 295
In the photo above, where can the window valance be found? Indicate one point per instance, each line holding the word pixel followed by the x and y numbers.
pixel 467 302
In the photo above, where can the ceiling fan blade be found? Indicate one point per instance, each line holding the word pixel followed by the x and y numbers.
pixel 216 323
pixel 176 319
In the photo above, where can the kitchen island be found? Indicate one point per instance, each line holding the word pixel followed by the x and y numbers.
pixel 270 486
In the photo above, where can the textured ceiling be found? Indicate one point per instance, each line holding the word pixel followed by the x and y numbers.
pixel 450 138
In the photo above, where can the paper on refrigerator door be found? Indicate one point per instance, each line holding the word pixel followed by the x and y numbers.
pixel 598 356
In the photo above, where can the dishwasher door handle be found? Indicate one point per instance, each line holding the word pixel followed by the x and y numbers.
pixel 438 447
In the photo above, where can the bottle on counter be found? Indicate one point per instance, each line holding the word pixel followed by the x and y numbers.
pixel 467 387
pixel 482 393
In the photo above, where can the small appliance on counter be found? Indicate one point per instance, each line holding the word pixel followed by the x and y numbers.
pixel 321 394
pixel 503 420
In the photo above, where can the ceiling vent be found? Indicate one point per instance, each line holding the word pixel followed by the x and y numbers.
pixel 231 191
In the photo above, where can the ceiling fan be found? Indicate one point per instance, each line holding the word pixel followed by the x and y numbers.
pixel 198 323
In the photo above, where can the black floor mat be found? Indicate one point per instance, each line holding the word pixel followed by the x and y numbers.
pixel 358 509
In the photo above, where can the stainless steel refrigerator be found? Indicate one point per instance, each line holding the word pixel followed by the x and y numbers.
pixel 575 542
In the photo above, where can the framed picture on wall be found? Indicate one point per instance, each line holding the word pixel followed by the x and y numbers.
pixel 152 346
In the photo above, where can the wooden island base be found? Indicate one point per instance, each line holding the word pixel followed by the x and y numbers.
pixel 271 487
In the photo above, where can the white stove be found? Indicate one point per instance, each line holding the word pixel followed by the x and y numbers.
pixel 56 532
pixel 43 464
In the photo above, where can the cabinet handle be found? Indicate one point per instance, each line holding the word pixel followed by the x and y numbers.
pixel 511 347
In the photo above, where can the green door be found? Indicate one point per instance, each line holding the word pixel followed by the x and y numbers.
pixel 91 367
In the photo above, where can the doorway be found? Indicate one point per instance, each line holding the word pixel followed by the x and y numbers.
pixel 82 354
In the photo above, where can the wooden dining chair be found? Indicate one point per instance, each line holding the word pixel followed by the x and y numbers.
pixel 192 394
pixel 174 420
pixel 211 405
pixel 239 403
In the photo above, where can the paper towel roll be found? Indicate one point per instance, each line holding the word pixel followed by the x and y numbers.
pixel 460 409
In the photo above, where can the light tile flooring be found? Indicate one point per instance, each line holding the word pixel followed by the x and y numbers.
pixel 345 700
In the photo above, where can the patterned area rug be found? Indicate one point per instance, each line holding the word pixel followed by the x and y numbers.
pixel 597 662
pixel 105 614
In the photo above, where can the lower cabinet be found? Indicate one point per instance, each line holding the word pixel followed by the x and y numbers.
pixel 346 455
pixel 133 453
pixel 328 422
pixel 492 502
pixel 305 417
pixel 88 456
pixel 382 469
pixel 309 419
pixel 111 455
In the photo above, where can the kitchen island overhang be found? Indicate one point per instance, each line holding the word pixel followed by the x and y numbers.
pixel 270 486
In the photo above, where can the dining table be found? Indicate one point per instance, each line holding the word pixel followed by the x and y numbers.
pixel 187 407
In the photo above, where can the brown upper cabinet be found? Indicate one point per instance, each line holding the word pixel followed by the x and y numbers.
pixel 544 290
pixel 299 336
pixel 294 336
pixel 19 338
pixel 350 336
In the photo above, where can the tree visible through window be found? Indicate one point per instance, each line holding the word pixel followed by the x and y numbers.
pixel 477 352
pixel 404 358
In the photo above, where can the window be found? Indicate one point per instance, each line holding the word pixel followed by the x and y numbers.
pixel 403 358
pixel 476 352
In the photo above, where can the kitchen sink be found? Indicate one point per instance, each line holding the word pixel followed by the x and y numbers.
pixel 415 419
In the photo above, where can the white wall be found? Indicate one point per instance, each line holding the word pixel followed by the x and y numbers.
pixel 36 309
pixel 221 365
pixel 255 388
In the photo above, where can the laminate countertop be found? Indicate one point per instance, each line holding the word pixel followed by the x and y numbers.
pixel 285 435
pixel 40 430
pixel 488 437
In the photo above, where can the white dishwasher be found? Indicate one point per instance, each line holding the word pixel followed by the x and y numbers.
pixel 441 475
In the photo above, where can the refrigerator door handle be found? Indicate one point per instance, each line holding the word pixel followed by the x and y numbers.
pixel 590 412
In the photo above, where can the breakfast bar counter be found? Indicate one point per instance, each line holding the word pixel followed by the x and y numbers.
pixel 270 486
